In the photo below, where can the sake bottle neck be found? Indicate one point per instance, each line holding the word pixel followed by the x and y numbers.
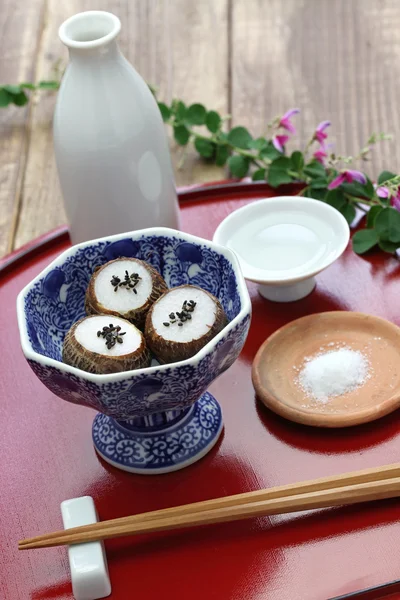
pixel 91 35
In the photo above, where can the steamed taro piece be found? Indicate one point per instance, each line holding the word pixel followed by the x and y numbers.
pixel 182 321
pixel 125 287
pixel 102 344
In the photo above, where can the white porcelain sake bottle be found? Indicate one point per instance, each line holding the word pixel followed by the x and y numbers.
pixel 111 148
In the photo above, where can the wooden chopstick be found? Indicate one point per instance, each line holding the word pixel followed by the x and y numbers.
pixel 369 484
pixel 363 476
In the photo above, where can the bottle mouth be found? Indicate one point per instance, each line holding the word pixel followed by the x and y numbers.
pixel 89 29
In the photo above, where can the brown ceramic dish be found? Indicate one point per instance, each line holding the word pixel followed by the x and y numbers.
pixel 281 357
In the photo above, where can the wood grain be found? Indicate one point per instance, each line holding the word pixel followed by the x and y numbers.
pixel 157 38
pixel 335 60
pixel 338 60
pixel 20 27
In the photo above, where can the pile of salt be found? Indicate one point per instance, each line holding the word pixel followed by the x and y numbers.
pixel 334 373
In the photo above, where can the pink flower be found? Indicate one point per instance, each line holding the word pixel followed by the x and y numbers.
pixel 347 176
pixel 382 192
pixel 320 134
pixel 320 155
pixel 395 202
pixel 285 121
pixel 279 141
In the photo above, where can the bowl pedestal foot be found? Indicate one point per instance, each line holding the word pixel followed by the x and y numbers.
pixel 287 293
pixel 160 442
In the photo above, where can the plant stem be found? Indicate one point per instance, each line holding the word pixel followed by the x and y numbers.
pixel 308 145
pixel 369 201
pixel 360 207
pixel 303 191
pixel 296 176
pixel 183 157
pixel 258 161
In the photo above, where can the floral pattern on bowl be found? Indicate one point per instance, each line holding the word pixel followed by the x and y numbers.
pixel 51 303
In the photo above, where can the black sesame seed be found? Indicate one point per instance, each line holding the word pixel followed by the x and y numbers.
pixel 130 281
pixel 166 324
pixel 111 335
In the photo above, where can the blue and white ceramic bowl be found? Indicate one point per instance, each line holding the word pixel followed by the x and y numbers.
pixel 152 420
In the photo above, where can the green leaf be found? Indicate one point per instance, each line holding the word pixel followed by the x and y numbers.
pixel 238 165
pixel 222 155
pixel 390 247
pixel 384 176
pixel 181 134
pixel 372 214
pixel 20 99
pixel 387 224
pixel 239 137
pixel 27 86
pixel 278 171
pixel 317 194
pixel 349 212
pixel 364 240
pixel 48 85
pixel 370 190
pixel 315 169
pixel 385 201
pixel 335 198
pixel 258 144
pixel 13 89
pixel 259 175
pixel 164 110
pixel 5 97
pixel 358 189
pixel 270 152
pixel 319 183
pixel 204 147
pixel 180 110
pixel 297 160
pixel 196 114
pixel 213 121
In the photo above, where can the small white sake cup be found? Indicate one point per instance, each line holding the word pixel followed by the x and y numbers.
pixel 283 242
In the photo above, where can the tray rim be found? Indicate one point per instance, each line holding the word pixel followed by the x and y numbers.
pixel 191 193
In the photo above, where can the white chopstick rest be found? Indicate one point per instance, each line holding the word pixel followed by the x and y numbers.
pixel 88 563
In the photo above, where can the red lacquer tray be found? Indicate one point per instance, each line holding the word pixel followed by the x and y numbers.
pixel 47 456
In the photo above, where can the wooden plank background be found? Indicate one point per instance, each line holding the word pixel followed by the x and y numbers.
pixel 253 59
